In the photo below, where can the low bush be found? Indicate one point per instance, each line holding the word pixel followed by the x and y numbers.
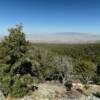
pixel 96 80
pixel 68 85
pixel 97 94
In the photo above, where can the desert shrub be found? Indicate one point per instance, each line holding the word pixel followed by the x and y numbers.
pixel 62 67
pixel 96 79
pixel 68 85
pixel 97 94
pixel 6 85
pixel 98 69
pixel 23 86
pixel 85 70
pixel 19 89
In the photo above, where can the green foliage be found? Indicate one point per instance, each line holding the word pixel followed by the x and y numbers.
pixel 19 89
pixel 22 86
pixel 89 52
pixel 6 85
pixel 16 73
pixel 85 69
pixel 68 85
pixel 96 79
pixel 98 69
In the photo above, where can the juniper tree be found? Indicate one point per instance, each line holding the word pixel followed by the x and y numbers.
pixel 15 63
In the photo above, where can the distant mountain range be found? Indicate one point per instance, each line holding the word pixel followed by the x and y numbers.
pixel 64 37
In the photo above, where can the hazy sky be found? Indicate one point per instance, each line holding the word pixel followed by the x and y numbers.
pixel 48 16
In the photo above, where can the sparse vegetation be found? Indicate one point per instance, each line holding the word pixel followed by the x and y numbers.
pixel 23 64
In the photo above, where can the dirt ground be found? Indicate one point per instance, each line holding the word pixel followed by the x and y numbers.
pixel 52 91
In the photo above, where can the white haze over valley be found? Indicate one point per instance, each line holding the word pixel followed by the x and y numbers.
pixel 64 37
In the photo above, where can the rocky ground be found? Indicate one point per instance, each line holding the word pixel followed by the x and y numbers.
pixel 51 91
